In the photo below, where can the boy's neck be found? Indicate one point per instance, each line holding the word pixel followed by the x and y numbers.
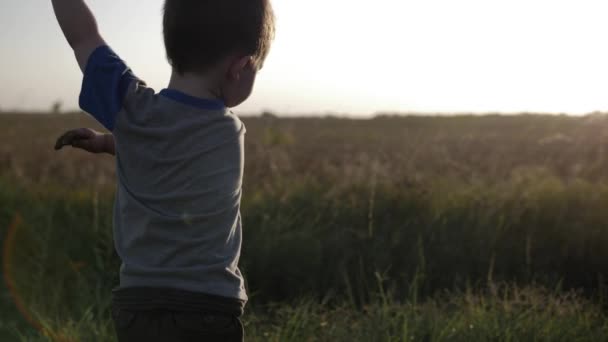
pixel 195 85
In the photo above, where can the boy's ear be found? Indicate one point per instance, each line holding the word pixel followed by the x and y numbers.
pixel 237 67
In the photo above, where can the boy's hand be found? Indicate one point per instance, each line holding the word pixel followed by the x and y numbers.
pixel 79 27
pixel 88 140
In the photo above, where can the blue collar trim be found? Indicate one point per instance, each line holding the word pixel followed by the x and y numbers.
pixel 198 102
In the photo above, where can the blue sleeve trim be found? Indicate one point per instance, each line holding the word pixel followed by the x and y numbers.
pixel 105 85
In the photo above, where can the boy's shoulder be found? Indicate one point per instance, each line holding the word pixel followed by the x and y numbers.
pixel 172 105
pixel 111 91
pixel 172 113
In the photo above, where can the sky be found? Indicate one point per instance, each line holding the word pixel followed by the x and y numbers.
pixel 350 57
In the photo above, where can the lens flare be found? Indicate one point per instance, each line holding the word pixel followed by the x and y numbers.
pixel 7 256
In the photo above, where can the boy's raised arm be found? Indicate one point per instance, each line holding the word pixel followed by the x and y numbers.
pixel 79 27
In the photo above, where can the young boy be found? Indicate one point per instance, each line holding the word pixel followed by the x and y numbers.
pixel 179 157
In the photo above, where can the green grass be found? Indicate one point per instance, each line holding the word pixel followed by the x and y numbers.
pixel 430 264
pixel 515 315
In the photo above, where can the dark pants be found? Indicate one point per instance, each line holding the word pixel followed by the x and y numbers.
pixel 161 325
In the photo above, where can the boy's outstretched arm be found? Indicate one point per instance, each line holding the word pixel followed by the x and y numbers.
pixel 79 27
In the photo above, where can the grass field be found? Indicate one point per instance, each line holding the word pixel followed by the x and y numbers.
pixel 465 228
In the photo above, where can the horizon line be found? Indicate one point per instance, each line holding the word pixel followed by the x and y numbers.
pixel 330 114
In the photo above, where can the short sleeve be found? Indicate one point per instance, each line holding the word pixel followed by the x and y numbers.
pixel 104 86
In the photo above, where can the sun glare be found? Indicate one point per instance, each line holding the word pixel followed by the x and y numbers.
pixel 468 55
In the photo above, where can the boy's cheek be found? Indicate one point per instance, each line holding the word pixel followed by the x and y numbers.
pixel 240 92
pixel 247 86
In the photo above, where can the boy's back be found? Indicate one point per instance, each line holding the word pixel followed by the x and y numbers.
pixel 179 170
pixel 179 159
